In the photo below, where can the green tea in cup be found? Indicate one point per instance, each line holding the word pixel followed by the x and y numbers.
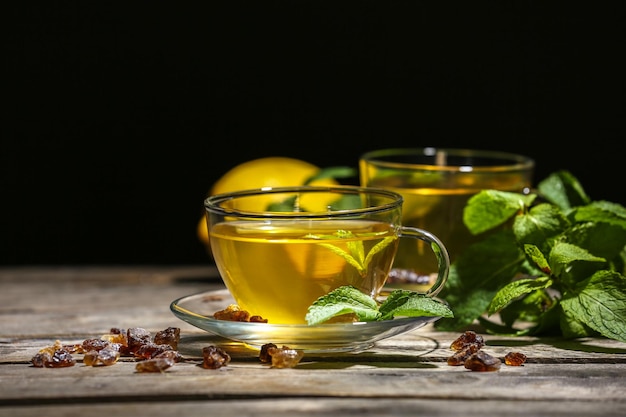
pixel 436 185
pixel 279 249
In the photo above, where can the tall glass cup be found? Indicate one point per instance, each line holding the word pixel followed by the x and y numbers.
pixel 436 185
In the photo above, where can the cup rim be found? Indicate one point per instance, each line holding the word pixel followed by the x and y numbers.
pixel 212 203
pixel 517 161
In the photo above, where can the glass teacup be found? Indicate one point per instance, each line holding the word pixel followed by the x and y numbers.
pixel 279 249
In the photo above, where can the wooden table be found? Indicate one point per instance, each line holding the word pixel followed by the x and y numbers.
pixel 404 375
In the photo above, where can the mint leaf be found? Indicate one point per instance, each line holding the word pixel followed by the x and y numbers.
pixel 534 254
pixel 564 254
pixel 538 306
pixel 603 239
pixel 282 206
pixel 571 327
pixel 490 208
pixel 563 190
pixel 354 257
pixel 571 263
pixel 348 299
pixel 477 275
pixel 333 173
pixel 559 267
pixel 343 300
pixel 514 290
pixel 601 211
pixel 343 203
pixel 600 303
pixel 540 225
pixel 412 304
pixel 356 251
pixel 377 248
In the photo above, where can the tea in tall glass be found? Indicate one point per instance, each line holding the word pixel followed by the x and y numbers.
pixel 436 185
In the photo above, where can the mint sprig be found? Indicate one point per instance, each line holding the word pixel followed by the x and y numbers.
pixel 558 270
pixel 355 255
pixel 349 300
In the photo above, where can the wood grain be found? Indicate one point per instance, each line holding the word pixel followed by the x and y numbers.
pixel 404 375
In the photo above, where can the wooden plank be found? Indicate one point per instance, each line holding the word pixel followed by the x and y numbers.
pixel 403 375
pixel 426 344
pixel 386 370
pixel 315 407
pixel 425 380
pixel 66 303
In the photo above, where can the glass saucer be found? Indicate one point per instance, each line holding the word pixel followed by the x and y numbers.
pixel 198 309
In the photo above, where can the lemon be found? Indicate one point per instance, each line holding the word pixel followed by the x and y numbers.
pixel 274 171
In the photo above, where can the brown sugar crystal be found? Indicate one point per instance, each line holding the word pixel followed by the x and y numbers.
pixel 464 346
pixel 482 362
pixel 284 357
pixel 169 336
pixel 232 313
pixel 264 355
pixel 459 357
pixel 514 359
pixel 214 357
pixel 468 338
pixel 159 364
pixel 55 356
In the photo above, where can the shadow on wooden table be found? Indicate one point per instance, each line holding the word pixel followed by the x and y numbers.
pixel 380 356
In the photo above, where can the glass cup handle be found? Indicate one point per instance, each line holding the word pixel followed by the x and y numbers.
pixel 440 251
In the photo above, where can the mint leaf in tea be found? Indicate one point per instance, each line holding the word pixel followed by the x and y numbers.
pixel 347 300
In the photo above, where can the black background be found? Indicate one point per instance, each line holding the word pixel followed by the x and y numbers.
pixel 121 116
